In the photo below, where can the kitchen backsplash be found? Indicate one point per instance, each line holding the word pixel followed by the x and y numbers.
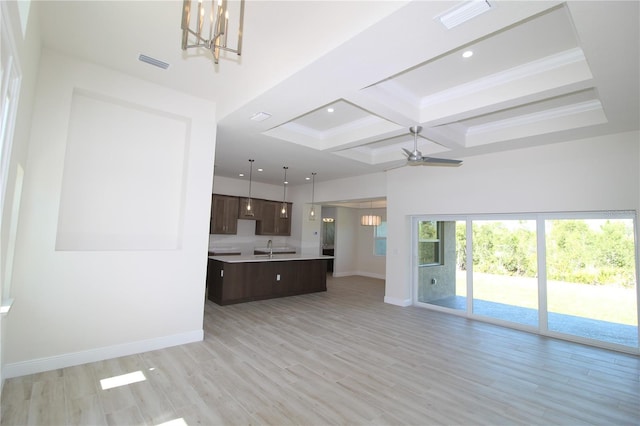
pixel 246 240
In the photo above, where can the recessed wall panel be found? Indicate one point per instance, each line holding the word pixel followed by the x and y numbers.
pixel 124 177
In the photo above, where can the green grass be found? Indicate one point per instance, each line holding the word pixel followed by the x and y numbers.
pixel 605 302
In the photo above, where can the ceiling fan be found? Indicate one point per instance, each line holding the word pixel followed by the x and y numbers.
pixel 415 157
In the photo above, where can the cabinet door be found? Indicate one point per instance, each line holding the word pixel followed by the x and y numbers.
pixel 267 223
pixel 270 222
pixel 246 281
pixel 287 279
pixel 224 214
pixel 215 278
pixel 283 225
pixel 259 280
pixel 315 276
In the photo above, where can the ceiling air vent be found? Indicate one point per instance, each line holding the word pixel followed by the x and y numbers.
pixel 463 12
pixel 260 116
pixel 153 61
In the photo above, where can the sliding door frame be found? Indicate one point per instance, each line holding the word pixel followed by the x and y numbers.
pixel 540 219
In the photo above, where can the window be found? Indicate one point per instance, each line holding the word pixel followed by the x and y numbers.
pixel 429 245
pixel 380 239
pixel 10 85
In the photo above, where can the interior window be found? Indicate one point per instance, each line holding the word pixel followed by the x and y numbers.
pixel 429 244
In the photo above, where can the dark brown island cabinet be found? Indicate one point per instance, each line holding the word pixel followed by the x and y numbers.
pixel 245 281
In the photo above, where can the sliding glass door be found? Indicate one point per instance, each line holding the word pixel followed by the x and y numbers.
pixel 591 279
pixel 505 284
pixel 565 275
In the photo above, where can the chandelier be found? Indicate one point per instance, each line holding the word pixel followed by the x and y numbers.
pixel 370 219
pixel 219 29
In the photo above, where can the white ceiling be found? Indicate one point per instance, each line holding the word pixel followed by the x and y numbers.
pixel 542 72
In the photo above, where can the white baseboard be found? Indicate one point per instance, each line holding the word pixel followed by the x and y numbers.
pixel 342 274
pixel 372 275
pixel 360 273
pixel 398 302
pixel 92 355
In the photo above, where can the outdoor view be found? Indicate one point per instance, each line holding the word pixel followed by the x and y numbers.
pixel 590 275
pixel 505 270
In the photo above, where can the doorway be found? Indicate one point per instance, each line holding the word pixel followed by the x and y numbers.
pixel 328 236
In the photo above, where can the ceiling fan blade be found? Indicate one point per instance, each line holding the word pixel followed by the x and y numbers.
pixel 415 158
pixel 440 161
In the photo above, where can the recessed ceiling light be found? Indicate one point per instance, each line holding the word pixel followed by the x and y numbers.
pixel 307 178
pixel 260 116
pixel 260 170
pixel 330 110
pixel 467 54
pixel 241 175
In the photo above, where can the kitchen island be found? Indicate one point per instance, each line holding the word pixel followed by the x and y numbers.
pixel 244 278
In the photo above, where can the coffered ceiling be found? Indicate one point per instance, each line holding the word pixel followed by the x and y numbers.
pixel 541 72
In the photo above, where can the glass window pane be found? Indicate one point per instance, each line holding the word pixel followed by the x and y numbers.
pixel 441 281
pixel 505 284
pixel 427 230
pixel 591 279
pixel 428 253
pixel 380 239
pixel 429 244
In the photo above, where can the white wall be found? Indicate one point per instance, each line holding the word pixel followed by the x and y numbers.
pixel 307 232
pixel 88 303
pixel 593 174
pixel 346 242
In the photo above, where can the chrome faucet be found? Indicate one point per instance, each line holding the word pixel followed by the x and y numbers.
pixel 270 247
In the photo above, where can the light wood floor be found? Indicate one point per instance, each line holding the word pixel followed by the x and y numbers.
pixel 341 357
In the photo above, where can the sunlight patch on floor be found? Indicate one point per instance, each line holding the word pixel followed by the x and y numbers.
pixel 122 380
pixel 174 422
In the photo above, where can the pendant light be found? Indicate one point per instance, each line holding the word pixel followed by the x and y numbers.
pixel 370 219
pixel 312 212
pixel 248 208
pixel 283 208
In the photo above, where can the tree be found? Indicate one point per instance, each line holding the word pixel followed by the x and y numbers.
pixel 569 250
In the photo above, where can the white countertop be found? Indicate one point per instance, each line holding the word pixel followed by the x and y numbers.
pixel 267 258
